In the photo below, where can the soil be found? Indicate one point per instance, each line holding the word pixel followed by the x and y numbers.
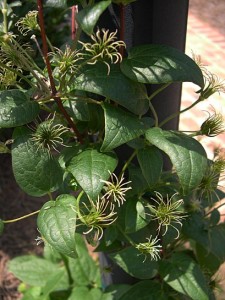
pixel 19 237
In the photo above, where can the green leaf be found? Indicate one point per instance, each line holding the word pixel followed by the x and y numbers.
pixel 145 290
pixel 56 3
pixel 69 152
pixel 211 238
pixel 186 154
pixel 151 163
pixel 208 262
pixel 51 254
pixel 1 226
pixel 88 16
pixel 139 184
pixel 85 293
pixel 121 127
pixel 89 167
pixel 16 109
pixel 160 64
pixel 184 275
pixel 96 122
pixel 53 283
pixel 132 262
pixel 114 86
pixel 77 110
pixel 110 234
pixel 117 290
pixel 214 217
pixel 32 293
pixel 45 177
pixel 33 270
pixel 135 218
pixel 57 223
pixel 84 270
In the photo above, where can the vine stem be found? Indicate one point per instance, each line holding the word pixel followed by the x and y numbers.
pixel 154 114
pixel 127 163
pixel 5 21
pixel 180 112
pixel 66 264
pixel 73 22
pixel 49 69
pixel 216 207
pixel 21 218
pixel 150 103
pixel 158 91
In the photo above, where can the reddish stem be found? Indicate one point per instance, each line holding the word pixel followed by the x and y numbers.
pixel 122 27
pixel 49 69
pixel 73 22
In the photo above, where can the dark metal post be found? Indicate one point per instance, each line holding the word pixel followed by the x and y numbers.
pixel 147 22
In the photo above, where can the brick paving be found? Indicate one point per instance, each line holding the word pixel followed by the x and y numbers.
pixel 209 43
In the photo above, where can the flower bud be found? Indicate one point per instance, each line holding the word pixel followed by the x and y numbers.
pixel 213 125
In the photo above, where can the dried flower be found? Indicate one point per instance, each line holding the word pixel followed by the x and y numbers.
pixel 213 175
pixel 49 135
pixel 166 212
pixel 96 216
pixel 105 47
pixel 17 55
pixel 116 188
pixel 66 60
pixel 8 78
pixel 212 85
pixel 39 240
pixel 28 23
pixel 198 60
pixel 213 125
pixel 151 248
pixel 4 148
pixel 194 205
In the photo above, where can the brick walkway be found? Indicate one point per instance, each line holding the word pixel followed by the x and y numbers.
pixel 209 43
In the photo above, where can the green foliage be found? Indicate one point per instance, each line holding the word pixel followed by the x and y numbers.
pixel 120 128
pixel 129 94
pixel 160 64
pixel 90 167
pixel 151 163
pixel 86 134
pixel 45 177
pixel 88 17
pixel 56 276
pixel 1 226
pixel 57 224
pixel 131 262
pixel 183 274
pixel 16 109
pixel 186 154
pixel 42 269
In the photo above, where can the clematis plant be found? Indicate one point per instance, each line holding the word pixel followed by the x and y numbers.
pixel 73 108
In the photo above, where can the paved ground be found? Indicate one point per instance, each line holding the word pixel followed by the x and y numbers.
pixel 205 37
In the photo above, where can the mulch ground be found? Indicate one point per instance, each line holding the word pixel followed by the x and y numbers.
pixel 19 237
